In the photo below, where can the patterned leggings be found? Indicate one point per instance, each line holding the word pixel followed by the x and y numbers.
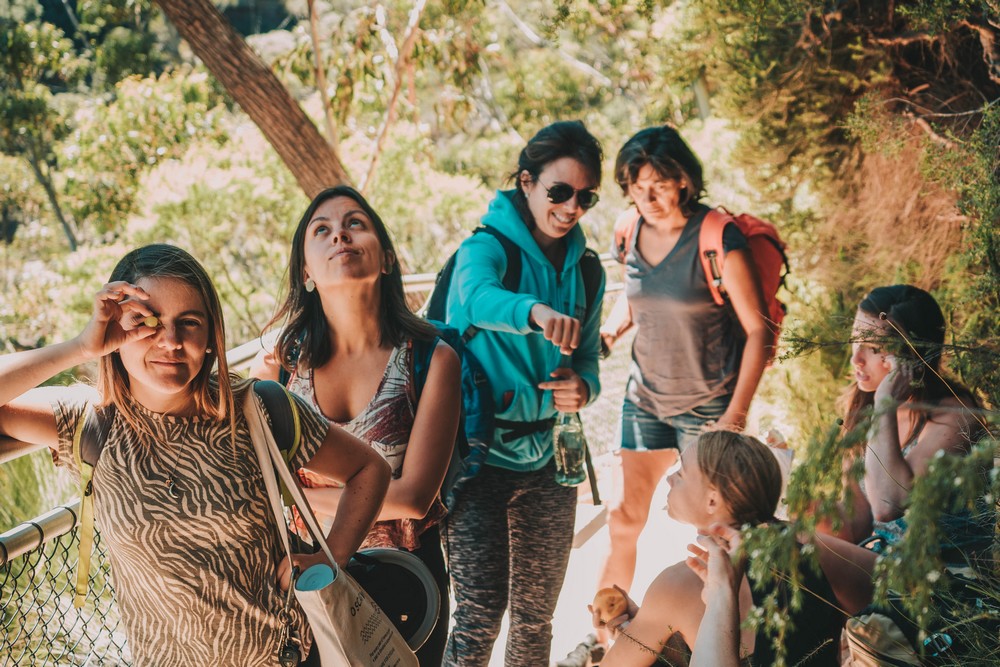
pixel 508 539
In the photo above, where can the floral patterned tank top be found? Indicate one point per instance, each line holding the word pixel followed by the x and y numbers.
pixel 385 424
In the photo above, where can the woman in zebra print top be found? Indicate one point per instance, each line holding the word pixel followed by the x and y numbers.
pixel 196 560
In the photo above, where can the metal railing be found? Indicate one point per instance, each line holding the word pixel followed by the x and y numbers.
pixel 38 560
pixel 41 625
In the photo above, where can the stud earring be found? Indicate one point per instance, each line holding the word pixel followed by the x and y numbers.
pixel 208 350
pixel 310 285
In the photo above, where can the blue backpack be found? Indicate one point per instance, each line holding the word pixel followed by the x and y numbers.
pixel 478 421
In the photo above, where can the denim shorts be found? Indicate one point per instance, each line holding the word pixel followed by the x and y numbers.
pixel 642 431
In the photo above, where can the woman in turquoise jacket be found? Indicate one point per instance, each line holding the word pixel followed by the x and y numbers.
pixel 511 530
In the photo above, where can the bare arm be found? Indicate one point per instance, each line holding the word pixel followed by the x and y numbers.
pixel 365 476
pixel 27 415
pixel 856 518
pixel 718 643
pixel 265 366
pixel 743 287
pixel 889 475
pixel 618 323
pixel 849 569
pixel 431 440
pixel 672 604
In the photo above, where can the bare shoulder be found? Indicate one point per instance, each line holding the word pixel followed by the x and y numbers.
pixel 677 584
pixel 265 366
pixel 445 355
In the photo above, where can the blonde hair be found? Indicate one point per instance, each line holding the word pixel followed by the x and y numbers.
pixel 212 398
pixel 744 471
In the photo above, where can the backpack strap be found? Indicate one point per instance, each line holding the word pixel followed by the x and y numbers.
pixel 711 251
pixel 421 353
pixel 284 375
pixel 286 424
pixel 512 276
pixel 88 443
pixel 591 272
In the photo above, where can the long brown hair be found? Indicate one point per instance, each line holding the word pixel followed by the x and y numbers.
pixel 915 333
pixel 212 398
pixel 305 337
pixel 745 472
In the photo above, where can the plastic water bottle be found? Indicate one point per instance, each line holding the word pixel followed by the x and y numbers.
pixel 570 449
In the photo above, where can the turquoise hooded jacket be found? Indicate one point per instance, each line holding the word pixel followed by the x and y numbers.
pixel 515 354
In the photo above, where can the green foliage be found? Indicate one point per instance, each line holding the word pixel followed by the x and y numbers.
pixel 952 484
pixel 116 143
pixel 938 16
pixel 827 103
pixel 236 214
pixel 428 211
pixel 30 53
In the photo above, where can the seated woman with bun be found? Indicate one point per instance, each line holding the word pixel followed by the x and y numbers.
pixel 730 480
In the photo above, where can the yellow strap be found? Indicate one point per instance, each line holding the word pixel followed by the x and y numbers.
pixel 86 528
pixel 296 439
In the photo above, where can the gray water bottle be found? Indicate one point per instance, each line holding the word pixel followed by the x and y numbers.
pixel 570 449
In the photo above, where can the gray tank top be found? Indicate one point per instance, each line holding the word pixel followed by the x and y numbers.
pixel 687 350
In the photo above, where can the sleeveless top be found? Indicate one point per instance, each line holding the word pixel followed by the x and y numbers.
pixel 193 575
pixel 385 423
pixel 687 350
pixel 963 533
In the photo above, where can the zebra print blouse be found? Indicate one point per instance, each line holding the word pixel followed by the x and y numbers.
pixel 194 576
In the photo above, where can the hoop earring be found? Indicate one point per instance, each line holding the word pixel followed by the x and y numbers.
pixel 310 285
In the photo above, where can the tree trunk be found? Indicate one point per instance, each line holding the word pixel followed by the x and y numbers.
pixel 50 192
pixel 259 93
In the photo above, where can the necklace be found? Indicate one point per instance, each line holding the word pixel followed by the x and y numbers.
pixel 170 482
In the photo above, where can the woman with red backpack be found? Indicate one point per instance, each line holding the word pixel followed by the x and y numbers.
pixel 695 365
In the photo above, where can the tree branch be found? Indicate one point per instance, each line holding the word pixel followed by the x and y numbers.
pixel 540 42
pixel 324 94
pixel 260 94
pixel 46 182
pixel 402 61
pixel 989 37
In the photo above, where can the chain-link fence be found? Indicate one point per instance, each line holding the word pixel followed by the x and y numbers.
pixel 38 559
pixel 40 624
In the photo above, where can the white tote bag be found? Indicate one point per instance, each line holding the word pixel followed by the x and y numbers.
pixel 348 627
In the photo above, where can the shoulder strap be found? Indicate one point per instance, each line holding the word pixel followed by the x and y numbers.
pixel 512 278
pixel 285 424
pixel 283 374
pixel 421 352
pixel 284 414
pixel 711 252
pixel 436 304
pixel 591 271
pixel 88 443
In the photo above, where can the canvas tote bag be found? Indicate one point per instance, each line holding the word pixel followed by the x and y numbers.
pixel 348 627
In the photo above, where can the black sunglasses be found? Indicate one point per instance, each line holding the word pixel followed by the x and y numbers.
pixel 562 192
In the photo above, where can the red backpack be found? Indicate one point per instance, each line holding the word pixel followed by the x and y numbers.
pixel 766 248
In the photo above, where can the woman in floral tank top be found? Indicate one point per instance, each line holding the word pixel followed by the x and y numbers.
pixel 347 343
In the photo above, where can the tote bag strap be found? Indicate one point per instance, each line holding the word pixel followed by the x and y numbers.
pixel 271 462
